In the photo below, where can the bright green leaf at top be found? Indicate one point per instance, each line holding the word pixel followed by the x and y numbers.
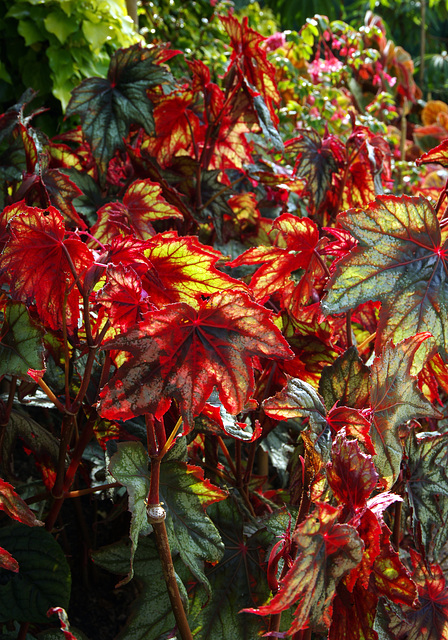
pixel 20 342
pixel 400 260
pixel 96 33
pixel 60 25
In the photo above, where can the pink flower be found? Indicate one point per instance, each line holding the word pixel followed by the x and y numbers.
pixel 275 41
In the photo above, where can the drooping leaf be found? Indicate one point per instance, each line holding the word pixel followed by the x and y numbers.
pixel 20 342
pixel 183 270
pixel 237 581
pixel 129 466
pixel 316 161
pixel 427 487
pixel 297 399
pixel 43 580
pixel 399 261
pixel 346 381
pixel 430 620
pixel 326 552
pixel 180 353
pixel 142 203
pixel 108 106
pixel 36 260
pixel 191 533
pixel 351 474
pixel 13 505
pixel 395 399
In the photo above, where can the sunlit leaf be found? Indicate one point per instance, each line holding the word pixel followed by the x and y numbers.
pixel 181 353
pixel 326 552
pixel 13 505
pixel 395 399
pixel 399 261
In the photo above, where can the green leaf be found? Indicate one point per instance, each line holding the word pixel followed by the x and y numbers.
pixel 298 399
pixel 43 580
pixel 427 487
pixel 191 532
pixel 152 613
pixel 237 581
pixel 265 121
pixel 395 399
pixel 109 106
pixel 346 381
pixel 129 466
pixel 20 342
pixel 400 261
pixel 59 24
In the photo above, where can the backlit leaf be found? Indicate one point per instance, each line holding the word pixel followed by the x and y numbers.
pixel 121 298
pixel 142 204
pixel 326 552
pixel 395 399
pixel 36 259
pixel 181 353
pixel 390 577
pixel 439 154
pixel 353 614
pixel 108 106
pixel 351 474
pixel 20 342
pixel 400 261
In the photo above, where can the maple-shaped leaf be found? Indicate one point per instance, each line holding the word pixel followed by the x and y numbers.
pixel 395 399
pixel 294 248
pixel 183 270
pixel 177 128
pixel 13 505
pixel 108 106
pixel 326 552
pixel 425 473
pixel 122 299
pixel 317 160
pixel 182 353
pixel 21 346
pixel 351 474
pixel 38 258
pixel 439 154
pixel 430 620
pixel 400 261
pixel 142 204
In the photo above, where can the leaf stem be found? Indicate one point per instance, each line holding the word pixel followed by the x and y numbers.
pixel 50 395
pixel 227 456
pixel 348 326
pixel 166 561
pixel 171 437
pixel 397 525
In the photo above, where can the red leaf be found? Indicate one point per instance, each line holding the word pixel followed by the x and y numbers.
pixel 355 423
pixel 326 552
pixel 7 561
pixel 294 248
pixel 37 259
pixel 182 270
pixel 351 474
pixel 438 154
pixel 390 577
pixel 63 619
pixel 250 62
pixel 13 505
pixel 122 297
pixel 177 128
pixel 142 204
pixel 353 614
pixel 181 353
pixel 369 530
